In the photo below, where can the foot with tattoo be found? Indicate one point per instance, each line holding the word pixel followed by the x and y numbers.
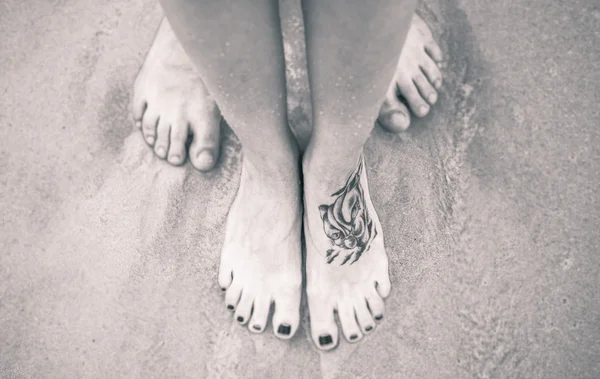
pixel 346 263
pixel 416 80
pixel 170 102
pixel 261 256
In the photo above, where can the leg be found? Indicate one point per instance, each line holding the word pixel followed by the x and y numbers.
pixel 352 53
pixel 237 49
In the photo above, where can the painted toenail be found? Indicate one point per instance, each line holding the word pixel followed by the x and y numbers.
pixel 378 317
pixel 256 327
pixel 325 340
pixel 150 139
pixel 353 337
pixel 284 329
pixel 368 328
pixel 205 158
pixel 230 307
pixel 399 118
pixel 423 109
pixel 160 151
pixel 223 289
pixel 240 319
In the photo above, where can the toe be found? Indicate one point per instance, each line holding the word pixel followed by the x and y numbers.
pixel 376 305
pixel 161 144
pixel 432 71
pixel 179 134
pixel 225 276
pixel 425 88
pixel 206 127
pixel 138 106
pixel 233 295
pixel 409 91
pixel 260 314
pixel 287 315
pixel 364 317
pixel 384 286
pixel 393 115
pixel 323 329
pixel 149 122
pixel 348 322
pixel 244 307
pixel 434 51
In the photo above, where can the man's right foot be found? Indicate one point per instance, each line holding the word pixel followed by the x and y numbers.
pixel 171 102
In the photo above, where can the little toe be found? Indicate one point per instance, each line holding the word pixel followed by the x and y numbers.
pixel 364 317
pixel 376 305
pixel 225 276
pixel 409 91
pixel 260 314
pixel 384 286
pixel 179 134
pixel 286 316
pixel 244 307
pixel 149 122
pixel 393 114
pixel 425 88
pixel 323 329
pixel 432 71
pixel 233 295
pixel 161 144
pixel 348 322
pixel 204 149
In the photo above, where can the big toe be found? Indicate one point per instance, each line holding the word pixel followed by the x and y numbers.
pixel 323 329
pixel 287 315
pixel 206 128
pixel 393 114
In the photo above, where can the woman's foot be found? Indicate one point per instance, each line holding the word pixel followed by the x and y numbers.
pixel 416 79
pixel 261 256
pixel 346 263
pixel 170 102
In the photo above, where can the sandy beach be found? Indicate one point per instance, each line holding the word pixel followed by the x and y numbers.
pixel 489 205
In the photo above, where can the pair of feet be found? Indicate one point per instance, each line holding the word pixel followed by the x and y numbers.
pixel 346 263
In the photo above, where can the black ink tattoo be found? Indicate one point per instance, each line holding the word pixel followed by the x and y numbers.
pixel 346 221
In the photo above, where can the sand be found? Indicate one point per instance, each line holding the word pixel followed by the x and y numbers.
pixel 489 206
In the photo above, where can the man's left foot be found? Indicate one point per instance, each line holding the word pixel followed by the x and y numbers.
pixel 416 80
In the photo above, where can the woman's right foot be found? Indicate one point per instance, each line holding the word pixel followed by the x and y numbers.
pixel 170 102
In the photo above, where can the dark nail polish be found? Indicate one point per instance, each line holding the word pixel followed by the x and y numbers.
pixel 369 328
pixel 325 340
pixel 378 317
pixel 284 329
pixel 230 307
pixel 240 319
pixel 256 327
pixel 353 337
pixel 223 289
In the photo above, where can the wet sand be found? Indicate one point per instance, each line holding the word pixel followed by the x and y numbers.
pixel 489 206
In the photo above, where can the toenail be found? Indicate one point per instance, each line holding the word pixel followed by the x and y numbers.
pixel 174 158
pixel 205 158
pixel 223 289
pixel 240 319
pixel 230 307
pixel 432 98
pixel 399 118
pixel 256 327
pixel 160 151
pixel 284 329
pixel 437 83
pixel 423 109
pixel 353 337
pixel 138 124
pixel 325 340
pixel 368 328
pixel 378 317
pixel 150 139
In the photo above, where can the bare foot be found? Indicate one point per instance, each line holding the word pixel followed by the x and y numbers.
pixel 170 102
pixel 261 257
pixel 416 79
pixel 346 263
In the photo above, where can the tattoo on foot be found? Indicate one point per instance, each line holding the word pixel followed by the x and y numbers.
pixel 346 221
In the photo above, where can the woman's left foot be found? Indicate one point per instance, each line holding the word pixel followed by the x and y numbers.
pixel 416 80
pixel 346 263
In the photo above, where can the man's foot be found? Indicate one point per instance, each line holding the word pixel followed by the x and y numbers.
pixel 170 102
pixel 416 79
pixel 346 263
pixel 261 256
